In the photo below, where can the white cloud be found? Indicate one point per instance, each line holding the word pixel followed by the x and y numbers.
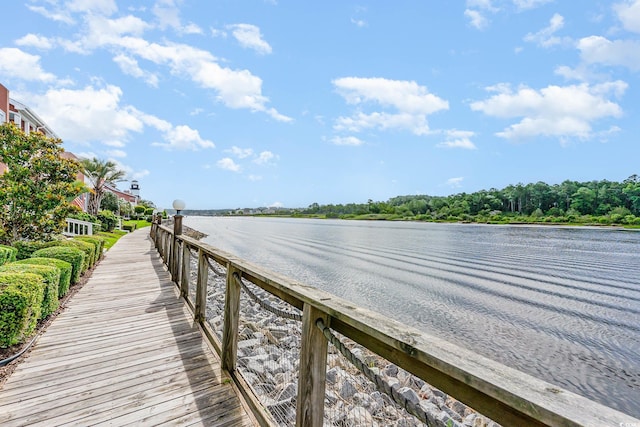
pixel 116 153
pixel 546 37
pixel 275 205
pixel 599 50
pixel 250 37
pixel 476 19
pixel 57 15
pixel 455 182
pixel 254 178
pixel 18 64
pixel 557 111
pixel 228 164
pixel 359 22
pixel 265 157
pixel 183 137
pixel 458 139
pixel 103 7
pixel 88 114
pixel 402 94
pixel 130 66
pixel 235 88
pixel 35 40
pixel 412 101
pixel 530 4
pixel 346 140
pixel 168 16
pixel 97 115
pixel 240 153
pixel 629 14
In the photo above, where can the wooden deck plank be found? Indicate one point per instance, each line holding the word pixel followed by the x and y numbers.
pixel 125 351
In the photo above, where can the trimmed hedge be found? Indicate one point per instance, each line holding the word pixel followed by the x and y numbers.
pixel 74 256
pixel 64 267
pixel 51 277
pixel 87 248
pixel 26 248
pixel 7 254
pixel 96 241
pixel 21 300
pixel 129 227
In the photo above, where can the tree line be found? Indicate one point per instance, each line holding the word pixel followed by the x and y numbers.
pixel 603 202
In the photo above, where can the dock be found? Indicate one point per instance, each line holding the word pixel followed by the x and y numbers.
pixel 125 351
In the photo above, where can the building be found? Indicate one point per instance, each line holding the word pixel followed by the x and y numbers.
pixel 131 196
pixel 26 119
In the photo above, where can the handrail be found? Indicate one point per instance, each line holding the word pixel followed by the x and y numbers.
pixel 507 396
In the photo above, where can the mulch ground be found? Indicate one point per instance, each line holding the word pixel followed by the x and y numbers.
pixel 6 371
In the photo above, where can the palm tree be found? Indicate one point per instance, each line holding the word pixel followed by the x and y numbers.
pixel 100 172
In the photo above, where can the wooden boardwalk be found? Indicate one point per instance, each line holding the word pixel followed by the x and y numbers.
pixel 124 352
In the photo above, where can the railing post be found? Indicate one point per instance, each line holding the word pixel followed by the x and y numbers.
pixel 185 274
pixel 313 369
pixel 201 287
pixel 231 320
pixel 175 253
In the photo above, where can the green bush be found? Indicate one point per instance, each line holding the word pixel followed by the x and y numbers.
pixel 87 248
pixel 96 241
pixel 64 267
pixel 72 255
pixel 26 248
pixel 7 254
pixel 129 227
pixel 108 220
pixel 51 277
pixel 21 301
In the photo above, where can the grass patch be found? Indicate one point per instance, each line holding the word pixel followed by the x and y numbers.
pixel 110 238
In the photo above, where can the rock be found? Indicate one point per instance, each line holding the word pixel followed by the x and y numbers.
pixel 446 419
pixel 347 389
pixel 330 397
pixel 459 407
pixel 409 394
pixel 359 416
pixel 244 344
pixel 362 399
pixel 453 414
pixel 334 375
pixel 290 391
pixel 391 370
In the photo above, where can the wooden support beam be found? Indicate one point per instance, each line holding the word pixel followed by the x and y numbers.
pixel 201 287
pixel 313 369
pixel 185 272
pixel 231 320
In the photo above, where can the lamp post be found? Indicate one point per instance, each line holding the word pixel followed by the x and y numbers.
pixel 178 205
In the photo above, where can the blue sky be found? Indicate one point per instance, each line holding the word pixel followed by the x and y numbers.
pixel 229 104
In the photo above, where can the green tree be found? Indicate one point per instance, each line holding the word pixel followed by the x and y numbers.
pixel 110 202
pixel 36 191
pixel 584 200
pixel 100 173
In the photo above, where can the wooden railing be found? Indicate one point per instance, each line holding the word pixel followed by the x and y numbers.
pixel 503 394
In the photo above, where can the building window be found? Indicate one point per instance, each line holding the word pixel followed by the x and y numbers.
pixel 3 117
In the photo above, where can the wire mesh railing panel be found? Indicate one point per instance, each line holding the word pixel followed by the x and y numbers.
pixel 269 350
pixel 193 274
pixel 364 389
pixel 216 289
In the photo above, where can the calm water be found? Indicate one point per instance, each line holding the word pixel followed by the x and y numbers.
pixel 562 304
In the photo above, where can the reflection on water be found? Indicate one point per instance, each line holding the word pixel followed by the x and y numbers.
pixel 560 303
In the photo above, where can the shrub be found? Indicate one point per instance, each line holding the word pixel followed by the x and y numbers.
pixel 7 254
pixel 64 267
pixel 87 248
pixel 129 227
pixel 51 277
pixel 21 300
pixel 73 256
pixel 96 241
pixel 26 248
pixel 108 220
